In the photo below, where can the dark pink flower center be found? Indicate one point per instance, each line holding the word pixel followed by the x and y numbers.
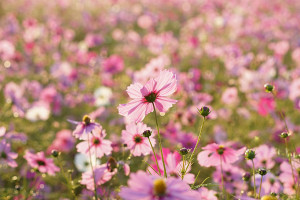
pixel 41 162
pixel 96 141
pixel 220 150
pixel 151 97
pixel 3 155
pixel 138 139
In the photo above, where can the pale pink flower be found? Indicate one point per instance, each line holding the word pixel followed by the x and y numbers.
pixel 214 153
pixel 102 175
pixel 86 126
pixel 147 187
pixel 230 96
pixel 63 142
pixel 6 156
pixel 264 157
pixel 96 145
pixel 40 162
pixel 206 194
pixel 154 92
pixel 136 143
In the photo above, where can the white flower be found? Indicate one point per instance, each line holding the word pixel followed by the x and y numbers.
pixel 82 162
pixel 102 96
pixel 37 112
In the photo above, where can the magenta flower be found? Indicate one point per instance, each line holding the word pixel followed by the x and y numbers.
pixel 214 153
pixel 113 64
pixel 85 127
pixel 63 142
pixel 96 144
pixel 136 143
pixel 154 92
pixel 102 175
pixel 147 187
pixel 6 156
pixel 40 162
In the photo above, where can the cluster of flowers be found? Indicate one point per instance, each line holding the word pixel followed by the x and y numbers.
pixel 64 59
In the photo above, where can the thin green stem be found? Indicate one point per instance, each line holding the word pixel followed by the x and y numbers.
pixel 69 184
pixel 182 170
pixel 154 156
pixel 254 185
pixel 260 186
pixel 289 158
pixel 222 177
pixel 199 137
pixel 151 167
pixel 196 179
pixel 95 187
pixel 159 141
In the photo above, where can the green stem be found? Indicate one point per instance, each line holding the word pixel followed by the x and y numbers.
pixel 182 170
pixel 69 185
pixel 222 177
pixel 154 156
pixel 254 184
pixel 260 186
pixel 199 137
pixel 289 158
pixel 196 179
pixel 159 141
pixel 95 187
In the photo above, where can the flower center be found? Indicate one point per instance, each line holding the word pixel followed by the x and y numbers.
pixel 41 162
pixel 159 187
pixel 220 150
pixel 86 119
pixel 151 97
pixel 3 155
pixel 96 141
pixel 138 139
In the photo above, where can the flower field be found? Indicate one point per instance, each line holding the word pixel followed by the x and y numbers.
pixel 149 100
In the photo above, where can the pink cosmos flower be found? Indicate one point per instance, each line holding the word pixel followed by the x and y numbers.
pixel 173 166
pixel 40 162
pixel 63 142
pixel 270 184
pixel 286 176
pixel 214 153
pixel 85 127
pixel 113 64
pixel 143 186
pixel 96 144
pixel 154 92
pixel 102 175
pixel 6 156
pixel 265 106
pixel 136 143
pixel 206 194
pixel 264 157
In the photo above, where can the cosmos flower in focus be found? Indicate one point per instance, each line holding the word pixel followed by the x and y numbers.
pixel 86 126
pixel 136 143
pixel 40 162
pixel 155 91
pixel 96 144
pixel 214 153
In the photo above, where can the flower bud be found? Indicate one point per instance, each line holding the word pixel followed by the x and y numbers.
pixel 183 151
pixel 111 164
pixel 250 154
pixel 269 87
pixel 54 153
pixel 147 133
pixel 284 135
pixel 204 111
pixel 262 171
pixel 246 176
